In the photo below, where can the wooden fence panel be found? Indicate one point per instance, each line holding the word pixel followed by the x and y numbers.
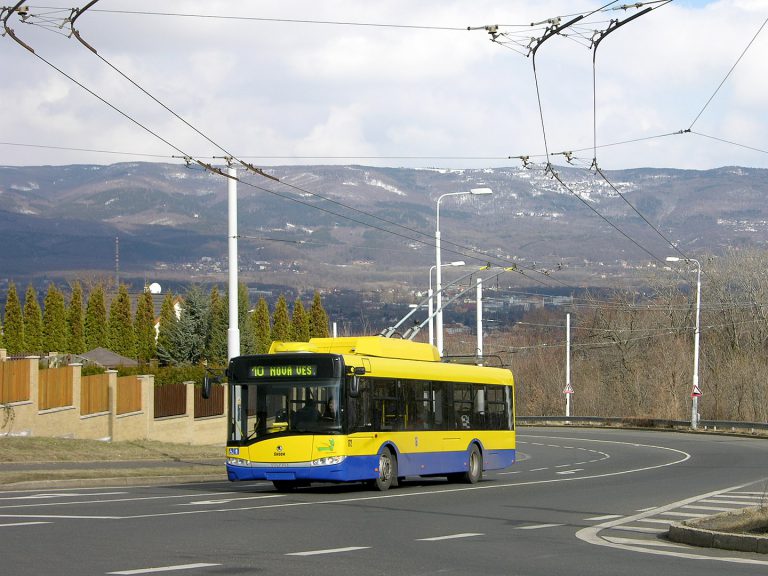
pixel 213 406
pixel 128 394
pixel 14 381
pixel 170 400
pixel 94 394
pixel 55 388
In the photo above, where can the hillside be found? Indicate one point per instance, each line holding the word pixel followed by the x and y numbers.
pixel 171 221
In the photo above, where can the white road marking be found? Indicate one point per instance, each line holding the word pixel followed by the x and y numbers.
pixel 450 537
pixel 134 499
pixel 328 551
pixel 164 569
pixel 640 542
pixel 538 469
pixel 654 521
pixel 682 457
pixel 685 514
pixel 642 529
pixel 712 508
pixel 571 471
pixel 537 526
pixel 606 517
pixel 22 524
pixel 591 533
pixel 62 495
pixel 716 501
pixel 228 500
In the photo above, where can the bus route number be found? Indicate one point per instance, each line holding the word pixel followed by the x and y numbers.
pixel 286 371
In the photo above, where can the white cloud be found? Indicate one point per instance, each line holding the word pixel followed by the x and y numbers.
pixel 281 89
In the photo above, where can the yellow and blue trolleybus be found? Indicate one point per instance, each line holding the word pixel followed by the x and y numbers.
pixel 368 409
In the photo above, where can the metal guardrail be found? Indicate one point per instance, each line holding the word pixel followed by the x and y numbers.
pixel 638 422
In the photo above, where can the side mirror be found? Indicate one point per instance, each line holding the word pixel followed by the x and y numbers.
pixel 354 387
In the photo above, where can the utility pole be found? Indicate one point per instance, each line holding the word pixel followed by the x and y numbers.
pixel 233 332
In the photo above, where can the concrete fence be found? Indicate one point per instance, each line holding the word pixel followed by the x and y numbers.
pixel 62 407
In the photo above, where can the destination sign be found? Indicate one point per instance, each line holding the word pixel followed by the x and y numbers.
pixel 287 371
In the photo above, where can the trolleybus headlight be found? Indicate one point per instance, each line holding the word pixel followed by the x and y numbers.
pixel 238 462
pixel 328 461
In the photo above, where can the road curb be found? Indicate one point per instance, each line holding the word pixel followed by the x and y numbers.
pixel 726 531
pixel 109 482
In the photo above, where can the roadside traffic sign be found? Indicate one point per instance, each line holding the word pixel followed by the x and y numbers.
pixel 696 391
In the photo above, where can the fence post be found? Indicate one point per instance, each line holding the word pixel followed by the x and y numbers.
pixel 112 386
pixel 34 386
pixel 148 401
pixel 77 387
pixel 189 387
pixel 3 354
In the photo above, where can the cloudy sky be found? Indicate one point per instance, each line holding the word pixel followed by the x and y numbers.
pixel 394 82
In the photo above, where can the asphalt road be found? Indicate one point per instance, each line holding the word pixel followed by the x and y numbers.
pixel 578 501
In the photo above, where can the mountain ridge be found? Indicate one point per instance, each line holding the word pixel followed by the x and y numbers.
pixel 328 224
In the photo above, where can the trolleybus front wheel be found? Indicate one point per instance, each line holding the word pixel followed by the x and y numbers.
pixel 387 471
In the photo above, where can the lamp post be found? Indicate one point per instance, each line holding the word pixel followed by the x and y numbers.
pixel 430 294
pixel 439 286
pixel 696 392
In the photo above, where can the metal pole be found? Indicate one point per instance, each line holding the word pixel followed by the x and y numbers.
pixel 233 332
pixel 480 320
pixel 696 390
pixel 438 285
pixel 431 309
pixel 568 365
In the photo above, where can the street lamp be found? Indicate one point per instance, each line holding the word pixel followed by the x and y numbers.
pixel 439 316
pixel 696 392
pixel 431 299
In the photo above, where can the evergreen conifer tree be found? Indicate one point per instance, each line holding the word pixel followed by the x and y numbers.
pixel 300 322
pixel 262 332
pixel 14 322
pixel 96 334
pixel 75 321
pixel 122 338
pixel 217 345
pixel 281 322
pixel 168 320
pixel 33 322
pixel 54 321
pixel 185 340
pixel 247 340
pixel 144 328
pixel 318 319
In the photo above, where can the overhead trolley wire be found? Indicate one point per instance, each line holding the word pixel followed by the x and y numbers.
pixel 748 46
pixel 76 13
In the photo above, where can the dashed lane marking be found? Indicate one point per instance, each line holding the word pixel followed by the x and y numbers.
pixel 450 537
pixel 537 526
pixel 328 551
pixel 22 524
pixel 164 569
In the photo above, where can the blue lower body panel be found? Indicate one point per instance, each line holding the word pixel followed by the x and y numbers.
pixel 357 468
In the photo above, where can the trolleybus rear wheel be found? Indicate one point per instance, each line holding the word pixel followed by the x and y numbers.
pixel 474 466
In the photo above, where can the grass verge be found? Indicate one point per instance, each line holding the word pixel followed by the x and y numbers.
pixel 33 449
